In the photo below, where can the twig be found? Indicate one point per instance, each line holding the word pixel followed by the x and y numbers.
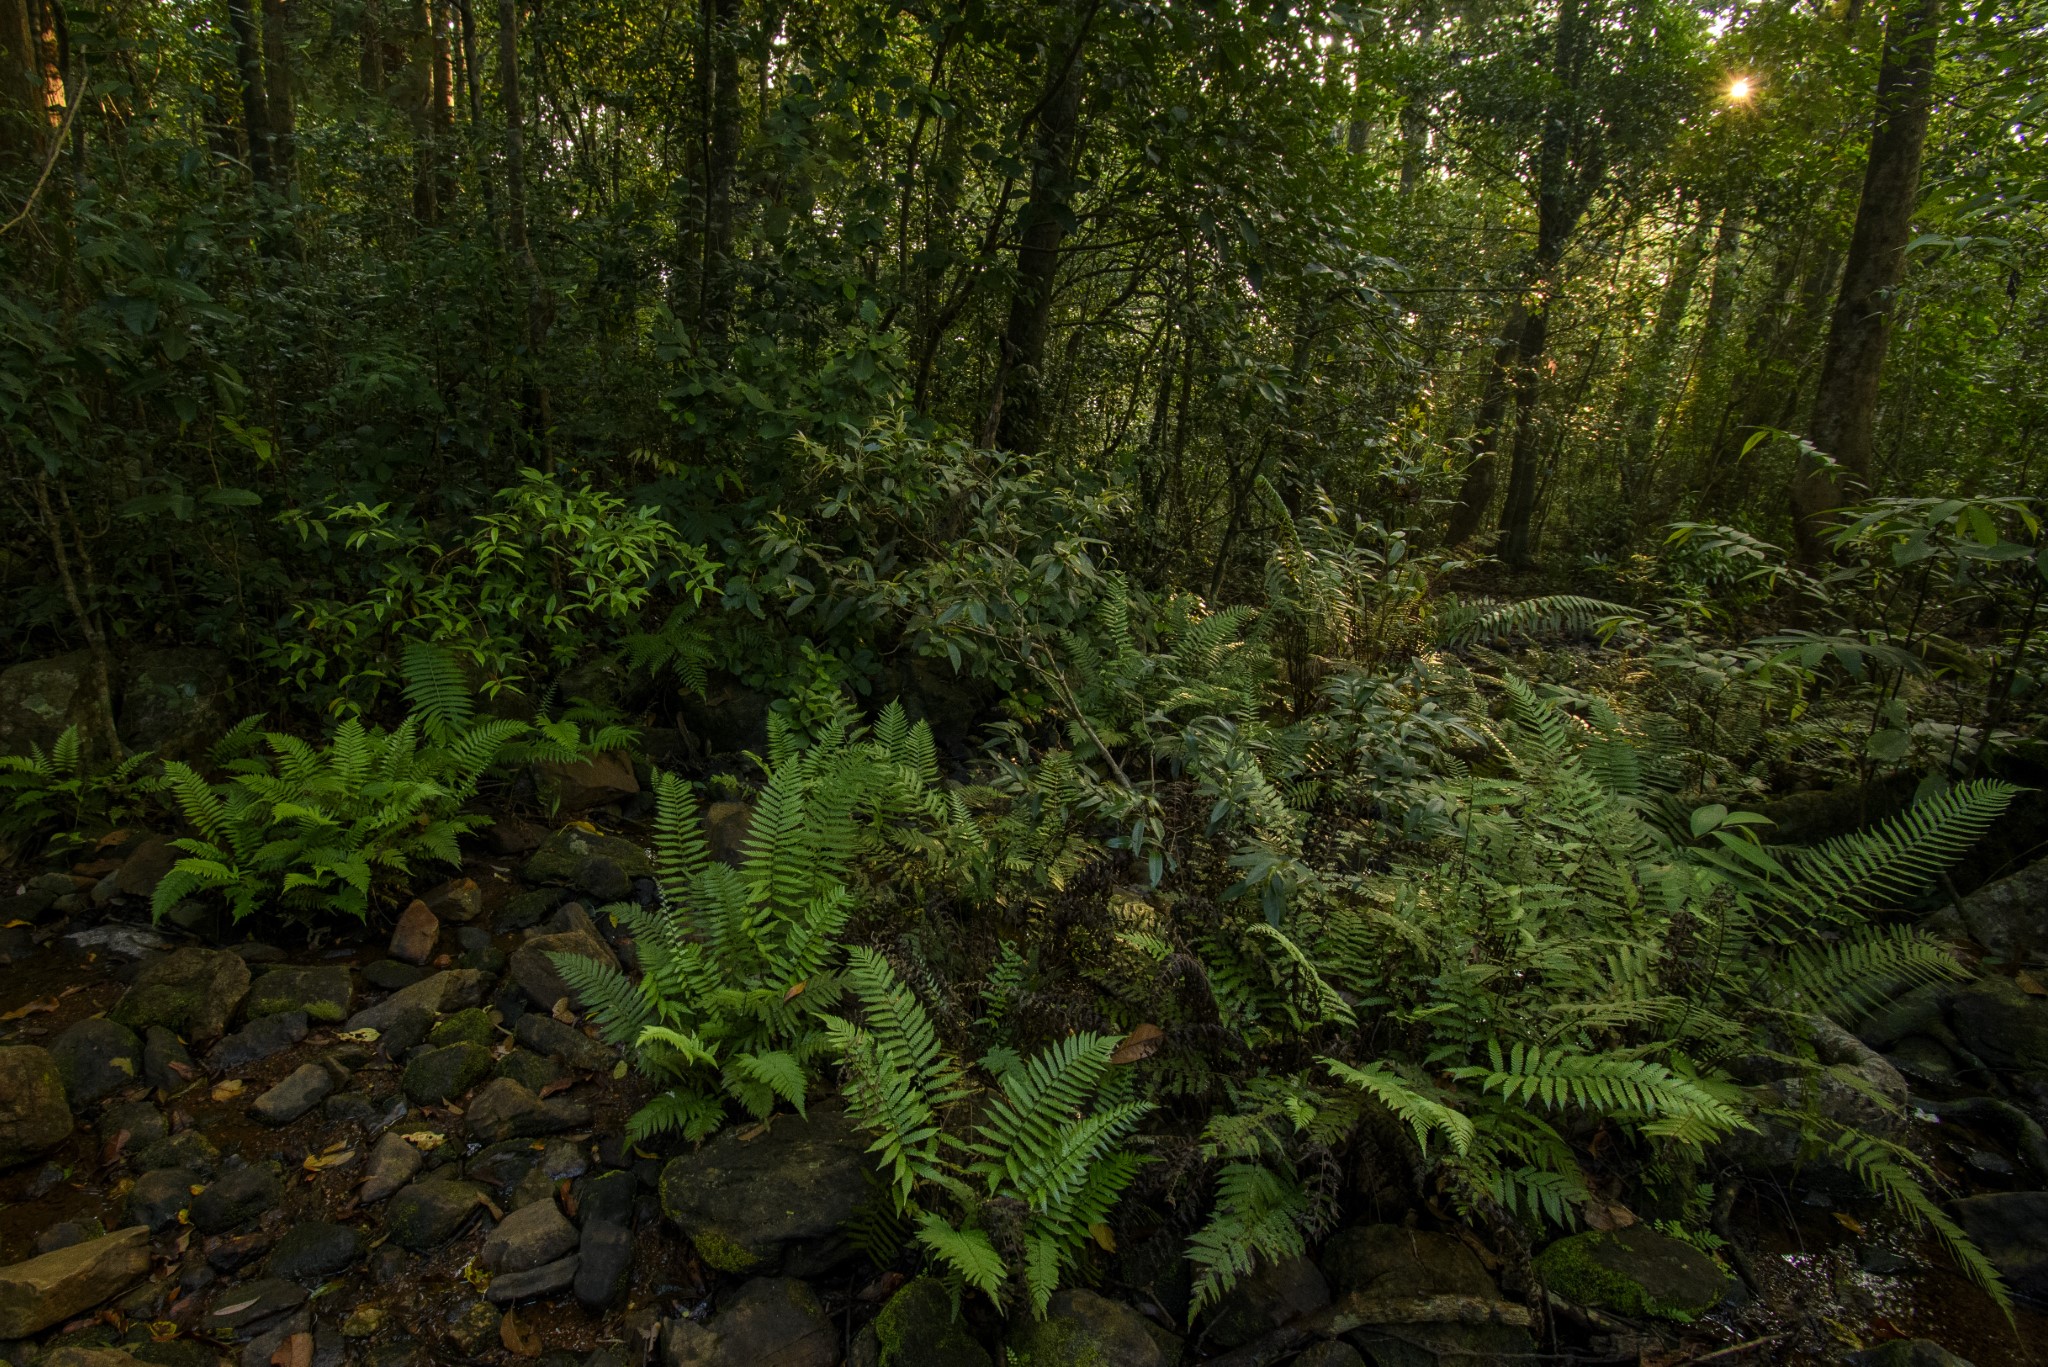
pixel 1731 1350
pixel 56 150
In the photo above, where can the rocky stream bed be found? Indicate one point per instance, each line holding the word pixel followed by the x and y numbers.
pixel 214 1149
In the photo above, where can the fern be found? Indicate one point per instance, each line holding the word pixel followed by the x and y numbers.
pixel 1256 1217
pixel 1484 623
pixel 1898 858
pixel 966 1253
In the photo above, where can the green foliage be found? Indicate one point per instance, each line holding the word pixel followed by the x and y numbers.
pixel 61 798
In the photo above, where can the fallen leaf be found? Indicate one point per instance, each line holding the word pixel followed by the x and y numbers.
pixel 1142 1043
pixel 336 1147
pixel 237 1308
pixel 111 838
pixel 1601 1213
pixel 795 990
pixel 562 1013
pixel 41 1004
pixel 555 1084
pixel 163 1331
pixel 882 1287
pixel 426 1141
pixel 366 1035
pixel 476 1276
pixel 748 1136
pixel 320 1162
pixel 110 1152
pixel 2030 984
pixel 518 1340
pixel 1104 1236
pixel 583 826
pixel 1848 1222
pixel 618 1070
pixel 492 1206
pixel 229 1090
pixel 296 1351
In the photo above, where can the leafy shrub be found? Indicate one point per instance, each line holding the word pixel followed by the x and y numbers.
pixel 61 796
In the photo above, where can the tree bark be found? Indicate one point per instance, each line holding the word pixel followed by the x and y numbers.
pixel 1475 494
pixel 277 74
pixel 515 134
pixel 24 101
pixel 721 164
pixel 1015 411
pixel 1650 369
pixel 249 76
pixel 1844 420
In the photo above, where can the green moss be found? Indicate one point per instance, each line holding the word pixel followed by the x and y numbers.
pixel 1632 1272
pixel 722 1252
pixel 472 1026
pixel 1059 1343
pixel 919 1327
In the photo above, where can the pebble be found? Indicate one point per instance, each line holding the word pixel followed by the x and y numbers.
pixel 306 1088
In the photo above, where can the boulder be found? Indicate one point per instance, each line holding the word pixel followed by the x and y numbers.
pixel 2009 917
pixel 389 975
pixel 436 1076
pixel 305 1088
pixel 450 990
pixel 527 1238
pixel 583 784
pixel 549 1037
pixel 1082 1329
pixel 237 1307
pixel 142 870
pixel 1273 1294
pixel 414 937
pixel 741 1201
pixel 131 1126
pixel 157 1197
pixel 533 965
pixel 95 1058
pixel 563 853
pixel 769 1322
pixel 726 825
pixel 2011 1227
pixel 549 1279
pixel 2001 1024
pixel 427 1214
pixel 40 698
pixel 474 1329
pixel 314 1248
pixel 324 993
pixel 185 1149
pixel 166 1063
pixel 505 1110
pixel 392 1164
pixel 605 1205
pixel 603 881
pixel 920 1327
pixel 1851 1085
pixel 78 1356
pixel 194 992
pixel 727 716
pixel 1330 1353
pixel 1635 1271
pixel 178 701
pixel 237 1198
pixel 529 909
pixel 469 1026
pixel 1388 1261
pixel 53 1287
pixel 34 1116
pixel 457 901
pixel 256 1041
pixel 530 1070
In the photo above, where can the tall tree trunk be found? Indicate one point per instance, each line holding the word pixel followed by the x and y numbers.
pixel 416 96
pixel 721 164
pixel 441 118
pixel 1015 411
pixel 1844 419
pixel 472 78
pixel 1650 369
pixel 277 72
pixel 515 133
pixel 1475 493
pixel 249 76
pixel 24 102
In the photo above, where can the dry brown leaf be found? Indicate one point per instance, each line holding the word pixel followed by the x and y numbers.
pixel 1142 1043
pixel 492 1206
pixel 796 990
pixel 426 1141
pixel 562 1013
pixel 320 1162
pixel 229 1090
pixel 36 1007
pixel 1848 1222
pixel 296 1351
pixel 1600 1213
pixel 237 1308
pixel 2030 984
pixel 583 826
pixel 556 1084
pixel 518 1340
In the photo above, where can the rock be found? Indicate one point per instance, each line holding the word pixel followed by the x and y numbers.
pixel 770 1320
pixel 1330 1353
pixel 1908 1353
pixel 741 1201
pixel 1922 1059
pixel 392 1164
pixel 34 1116
pixel 177 701
pixel 2009 917
pixel 94 1058
pixel 417 933
pixel 530 1070
pixel 502 1164
pixel 1389 1261
pixel 605 1205
pixel 157 1197
pixel 727 717
pixel 474 1329
pixel 299 1093
pixel 193 992
pixel 587 783
pixel 1853 1086
pixel 726 825
pixel 436 1076
pixel 389 975
pixel 2011 1227
pixel 2001 1024
pixel 185 1149
pixel 472 1026
pixel 549 1279
pixel 350 1108
pixel 93 1357
pixel 1082 1329
pixel 534 969
pixel 1272 1295
pixel 427 1214
pixel 364 1321
pixel 256 1041
pixel 459 901
pixel 141 871
pixel 527 1238
pixel 314 1248
pixel 450 990
pixel 237 1197
pixel 513 835
pixel 529 909
pixel 407 1033
pixel 1635 1272
pixel 49 1289
pixel 324 993
pixel 166 1063
pixel 548 1036
pixel 141 1123
pixel 228 1256
pixel 40 698
pixel 237 1307
pixel 563 853
pixel 603 880
pixel 505 1110
pixel 65 1234
pixel 918 1328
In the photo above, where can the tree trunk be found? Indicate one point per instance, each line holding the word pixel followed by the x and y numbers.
pixel 1015 412
pixel 515 135
pixel 442 120
pixel 721 164
pixel 1649 371
pixel 1844 418
pixel 277 72
pixel 1475 494
pixel 249 76
pixel 416 95
pixel 24 101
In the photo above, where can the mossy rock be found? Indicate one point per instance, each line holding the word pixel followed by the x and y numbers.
pixel 559 858
pixel 921 1327
pixel 530 1070
pixel 324 993
pixel 1634 1271
pixel 1082 1329
pixel 193 992
pixel 742 1201
pixel 437 1075
pixel 471 1026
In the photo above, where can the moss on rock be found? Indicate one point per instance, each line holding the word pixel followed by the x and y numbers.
pixel 1634 1271
pixel 920 1327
